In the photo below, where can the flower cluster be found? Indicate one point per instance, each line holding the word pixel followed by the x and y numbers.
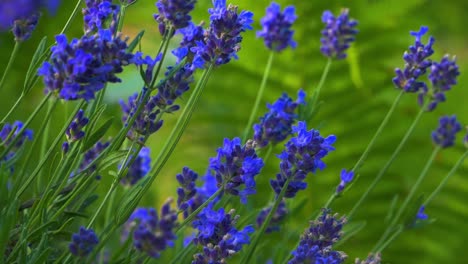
pixel 90 156
pixel 316 243
pixel 338 34
pixel 152 233
pixel 303 155
pixel 139 168
pixel 218 235
pixel 80 68
pixel 173 13
pixel 223 37
pixel 75 131
pixel 10 135
pixel 346 177
pixel 371 259
pixel 190 36
pixel 22 28
pixel 187 190
pixel 83 242
pixel 236 166
pixel 276 125
pixel 276 30
pixel 176 83
pixel 97 13
pixel 278 217
pixel 444 135
pixel 443 76
pixel 12 11
pixel 416 64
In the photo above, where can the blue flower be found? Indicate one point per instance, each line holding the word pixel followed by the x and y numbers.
pixel 223 37
pixel 187 190
pixel 235 167
pixel 22 28
pixel 173 13
pixel 276 125
pixel 278 217
pixel 152 233
pixel 444 135
pixel 10 133
pixel 416 63
pixel 371 259
pixel 139 168
pixel 276 30
pixel 82 67
pixel 218 235
pixel 176 83
pixel 24 10
pixel 190 36
pixel 346 177
pixel 443 76
pixel 83 242
pixel 338 34
pixel 75 131
pixel 97 13
pixel 421 215
pixel 316 242
pixel 302 155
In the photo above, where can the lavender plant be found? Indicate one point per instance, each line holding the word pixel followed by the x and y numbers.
pixel 91 183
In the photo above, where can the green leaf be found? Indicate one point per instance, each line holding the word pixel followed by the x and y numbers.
pixel 98 134
pixel 135 41
pixel 38 57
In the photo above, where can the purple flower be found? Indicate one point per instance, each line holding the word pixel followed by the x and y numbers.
pixel 346 177
pixel 218 235
pixel 90 156
pixel 82 67
pixel 83 242
pixel 416 64
pixel 75 131
pixel 173 13
pixel 316 242
pixel 139 168
pixel 302 155
pixel 276 125
pixel 444 135
pixel 235 168
pixel 276 30
pixel 187 190
pixel 10 133
pixel 278 217
pixel 338 34
pixel 152 233
pixel 97 14
pixel 176 83
pixel 371 259
pixel 223 37
pixel 22 28
pixel 421 215
pixel 190 36
pixel 13 10
pixel 443 76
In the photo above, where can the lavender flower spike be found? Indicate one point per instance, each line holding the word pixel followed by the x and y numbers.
pixel 444 135
pixel 139 168
pixel 338 34
pixel 75 131
pixel 173 13
pixel 346 177
pixel 276 31
pixel 83 242
pixel 22 28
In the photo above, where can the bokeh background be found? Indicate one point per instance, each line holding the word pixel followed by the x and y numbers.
pixel 356 96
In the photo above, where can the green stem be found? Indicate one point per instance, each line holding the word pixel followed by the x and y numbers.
pixel 364 155
pixel 10 63
pixel 253 114
pixel 325 72
pixel 253 246
pixel 72 16
pixel 389 162
pixel 397 232
pixel 412 192
pixel 45 137
pixel 445 180
pixel 13 108
pixel 123 8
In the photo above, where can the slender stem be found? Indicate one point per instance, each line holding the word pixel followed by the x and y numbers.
pixel 72 16
pixel 253 114
pixel 397 232
pixel 10 63
pixel 268 153
pixel 364 155
pixel 45 137
pixel 389 162
pixel 412 192
pixel 445 180
pixel 13 108
pixel 325 72
pixel 123 8
pixel 253 246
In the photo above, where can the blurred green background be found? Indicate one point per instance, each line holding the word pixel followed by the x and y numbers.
pixel 355 98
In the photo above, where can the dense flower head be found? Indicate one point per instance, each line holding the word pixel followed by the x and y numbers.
pixel 139 168
pixel 13 10
pixel 187 189
pixel 83 242
pixel 302 155
pixel 443 76
pixel 235 168
pixel 90 156
pixel 98 13
pixel 371 259
pixel 173 13
pixel 317 240
pixel 218 235
pixel 338 34
pixel 346 177
pixel 190 36
pixel 276 125
pixel 201 195
pixel 176 83
pixel 80 68
pixel 416 63
pixel 22 28
pixel 444 135
pixel 223 37
pixel 276 30
pixel 278 217
pixel 14 130
pixel 75 131
pixel 147 122
pixel 152 233
pixel 421 215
